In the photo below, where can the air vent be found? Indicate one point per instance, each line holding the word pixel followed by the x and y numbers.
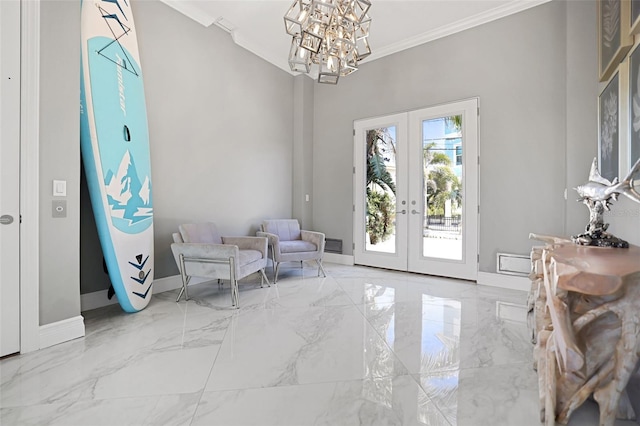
pixel 332 245
pixel 513 264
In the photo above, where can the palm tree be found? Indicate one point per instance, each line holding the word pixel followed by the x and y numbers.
pixel 456 120
pixel 381 187
pixel 380 146
pixel 440 181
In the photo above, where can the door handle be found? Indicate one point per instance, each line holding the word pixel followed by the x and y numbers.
pixel 414 211
pixel 403 211
pixel 6 219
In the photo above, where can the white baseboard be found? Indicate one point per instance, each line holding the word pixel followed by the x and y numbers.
pixel 98 299
pixel 341 259
pixel 172 282
pixel 61 331
pixel 512 282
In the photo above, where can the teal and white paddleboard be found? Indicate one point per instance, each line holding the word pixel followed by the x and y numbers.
pixel 115 147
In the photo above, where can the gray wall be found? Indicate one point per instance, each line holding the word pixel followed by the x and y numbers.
pixel 59 159
pixel 582 107
pixel 516 66
pixel 582 125
pixel 221 135
pixel 220 124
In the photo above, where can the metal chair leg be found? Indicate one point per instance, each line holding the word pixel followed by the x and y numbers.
pixel 235 299
pixel 185 281
pixel 320 267
pixel 275 274
pixel 263 278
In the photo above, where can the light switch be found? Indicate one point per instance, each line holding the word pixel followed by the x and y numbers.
pixel 59 188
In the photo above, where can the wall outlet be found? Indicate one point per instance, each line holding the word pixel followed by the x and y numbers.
pixel 59 208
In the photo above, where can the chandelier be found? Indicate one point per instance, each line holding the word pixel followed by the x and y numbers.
pixel 332 34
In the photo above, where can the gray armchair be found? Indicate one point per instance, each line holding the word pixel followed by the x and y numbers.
pixel 288 243
pixel 199 250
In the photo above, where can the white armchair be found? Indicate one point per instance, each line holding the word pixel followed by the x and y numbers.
pixel 200 251
pixel 288 243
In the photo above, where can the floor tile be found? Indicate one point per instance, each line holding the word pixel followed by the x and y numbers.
pixel 278 347
pixel 383 401
pixel 497 395
pixel 177 410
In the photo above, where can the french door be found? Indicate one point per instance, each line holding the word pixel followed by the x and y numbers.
pixel 416 190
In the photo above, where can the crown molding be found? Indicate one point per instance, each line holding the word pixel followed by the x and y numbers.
pixel 456 27
pixel 279 59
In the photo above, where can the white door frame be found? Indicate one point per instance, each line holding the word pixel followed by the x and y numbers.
pixel 29 176
pixel 10 182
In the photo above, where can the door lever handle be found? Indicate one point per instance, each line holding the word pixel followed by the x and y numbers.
pixel 414 211
pixel 403 211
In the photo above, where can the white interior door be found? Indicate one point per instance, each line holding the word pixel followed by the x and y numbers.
pixel 416 190
pixel 10 176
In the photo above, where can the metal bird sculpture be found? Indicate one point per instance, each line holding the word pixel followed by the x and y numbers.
pixel 597 194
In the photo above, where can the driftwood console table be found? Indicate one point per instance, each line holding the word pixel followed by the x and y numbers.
pixel 584 318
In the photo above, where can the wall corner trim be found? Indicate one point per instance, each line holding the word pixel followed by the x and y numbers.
pixel 61 331
pixel 511 282
pixel 29 176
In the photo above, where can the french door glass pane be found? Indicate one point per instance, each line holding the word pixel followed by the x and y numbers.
pixel 381 190
pixel 442 151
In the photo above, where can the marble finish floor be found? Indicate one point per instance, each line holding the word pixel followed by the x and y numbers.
pixel 362 346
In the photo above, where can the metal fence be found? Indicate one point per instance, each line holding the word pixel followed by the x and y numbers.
pixel 444 223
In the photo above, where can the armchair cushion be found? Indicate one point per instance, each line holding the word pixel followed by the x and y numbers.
pixel 297 246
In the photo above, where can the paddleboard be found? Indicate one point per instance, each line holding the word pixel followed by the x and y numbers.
pixel 114 140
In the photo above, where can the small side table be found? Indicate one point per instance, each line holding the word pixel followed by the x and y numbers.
pixel 584 318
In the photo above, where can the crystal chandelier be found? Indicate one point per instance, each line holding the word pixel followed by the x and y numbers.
pixel 332 34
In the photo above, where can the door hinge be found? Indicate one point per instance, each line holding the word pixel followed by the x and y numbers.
pixel 478 208
pixel 354 246
pixel 478 160
pixel 478 111
pixel 354 207
pixel 354 132
pixel 354 170
pixel 478 257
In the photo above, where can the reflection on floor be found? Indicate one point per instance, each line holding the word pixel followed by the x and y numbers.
pixel 362 346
